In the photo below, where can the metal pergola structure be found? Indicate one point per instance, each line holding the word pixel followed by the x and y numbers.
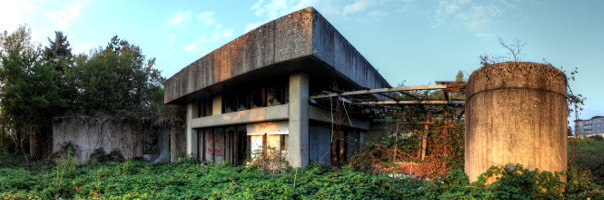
pixel 444 86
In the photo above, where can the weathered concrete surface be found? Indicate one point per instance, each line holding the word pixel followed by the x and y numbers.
pixel 301 41
pixel 272 113
pixel 90 133
pixel 516 113
pixel 190 132
pixel 298 120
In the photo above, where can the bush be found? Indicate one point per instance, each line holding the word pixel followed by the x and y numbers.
pixel 99 155
pixel 590 156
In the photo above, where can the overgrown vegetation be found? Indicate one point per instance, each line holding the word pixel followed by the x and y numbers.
pixel 39 83
pixel 423 140
pixel 190 180
pixel 589 155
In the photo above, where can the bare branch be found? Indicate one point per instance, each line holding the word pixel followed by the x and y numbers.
pixel 515 47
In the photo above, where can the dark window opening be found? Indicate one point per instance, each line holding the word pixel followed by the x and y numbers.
pixel 258 96
pixel 223 145
pixel 204 108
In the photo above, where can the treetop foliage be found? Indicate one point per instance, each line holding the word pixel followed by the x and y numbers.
pixel 28 90
pixel 116 80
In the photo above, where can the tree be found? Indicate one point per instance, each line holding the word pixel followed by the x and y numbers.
pixel 116 81
pixel 58 55
pixel 28 90
pixel 58 52
pixel 459 77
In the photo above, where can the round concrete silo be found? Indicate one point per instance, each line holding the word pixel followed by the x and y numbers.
pixel 516 113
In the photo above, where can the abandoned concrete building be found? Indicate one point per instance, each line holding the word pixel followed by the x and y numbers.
pixel 255 92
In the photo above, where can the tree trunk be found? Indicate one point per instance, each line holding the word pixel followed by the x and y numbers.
pixel 23 150
pixel 34 146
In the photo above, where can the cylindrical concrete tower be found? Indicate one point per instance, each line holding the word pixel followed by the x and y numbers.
pixel 516 113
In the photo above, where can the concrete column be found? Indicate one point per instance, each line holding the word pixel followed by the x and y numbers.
pixel 192 140
pixel 298 155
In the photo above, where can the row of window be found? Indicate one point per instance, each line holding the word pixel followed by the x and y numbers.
pixel 248 98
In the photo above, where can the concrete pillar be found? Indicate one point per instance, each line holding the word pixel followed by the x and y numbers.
pixel 516 113
pixel 190 132
pixel 298 120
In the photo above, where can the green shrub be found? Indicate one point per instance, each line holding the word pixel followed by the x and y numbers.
pixel 188 179
pixel 590 155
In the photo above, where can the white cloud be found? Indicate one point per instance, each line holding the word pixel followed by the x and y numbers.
pixel 63 18
pixel 274 9
pixel 449 7
pixel 479 17
pixel 202 43
pixel 475 17
pixel 191 47
pixel 252 26
pixel 357 6
pixel 83 47
pixel 206 18
pixel 13 13
pixel 179 18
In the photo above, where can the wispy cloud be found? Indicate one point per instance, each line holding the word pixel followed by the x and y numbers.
pixel 479 18
pixel 273 9
pixel 64 17
pixel 213 32
pixel 201 43
pixel 357 6
pixel 206 18
pixel 476 17
pixel 179 18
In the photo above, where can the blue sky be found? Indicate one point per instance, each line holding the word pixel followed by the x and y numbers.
pixel 415 41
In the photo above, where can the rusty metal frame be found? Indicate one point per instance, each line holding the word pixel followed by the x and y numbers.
pixel 446 87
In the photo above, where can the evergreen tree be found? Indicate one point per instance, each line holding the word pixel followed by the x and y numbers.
pixel 58 55
pixel 58 52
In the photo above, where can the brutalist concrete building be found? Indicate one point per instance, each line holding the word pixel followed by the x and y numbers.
pixel 254 92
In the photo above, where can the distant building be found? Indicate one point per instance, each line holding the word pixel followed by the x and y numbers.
pixel 593 126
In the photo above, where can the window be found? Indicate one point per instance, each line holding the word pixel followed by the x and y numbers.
pixel 262 95
pixel 223 145
pixel 204 108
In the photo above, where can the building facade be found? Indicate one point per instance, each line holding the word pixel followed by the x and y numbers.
pixel 254 93
pixel 593 126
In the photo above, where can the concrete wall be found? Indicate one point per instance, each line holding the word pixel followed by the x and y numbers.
pixel 516 113
pixel 90 133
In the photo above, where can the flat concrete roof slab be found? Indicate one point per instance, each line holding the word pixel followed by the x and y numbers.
pixel 301 41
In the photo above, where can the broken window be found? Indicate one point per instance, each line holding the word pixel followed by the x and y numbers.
pixel 204 108
pixel 223 145
pixel 257 96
